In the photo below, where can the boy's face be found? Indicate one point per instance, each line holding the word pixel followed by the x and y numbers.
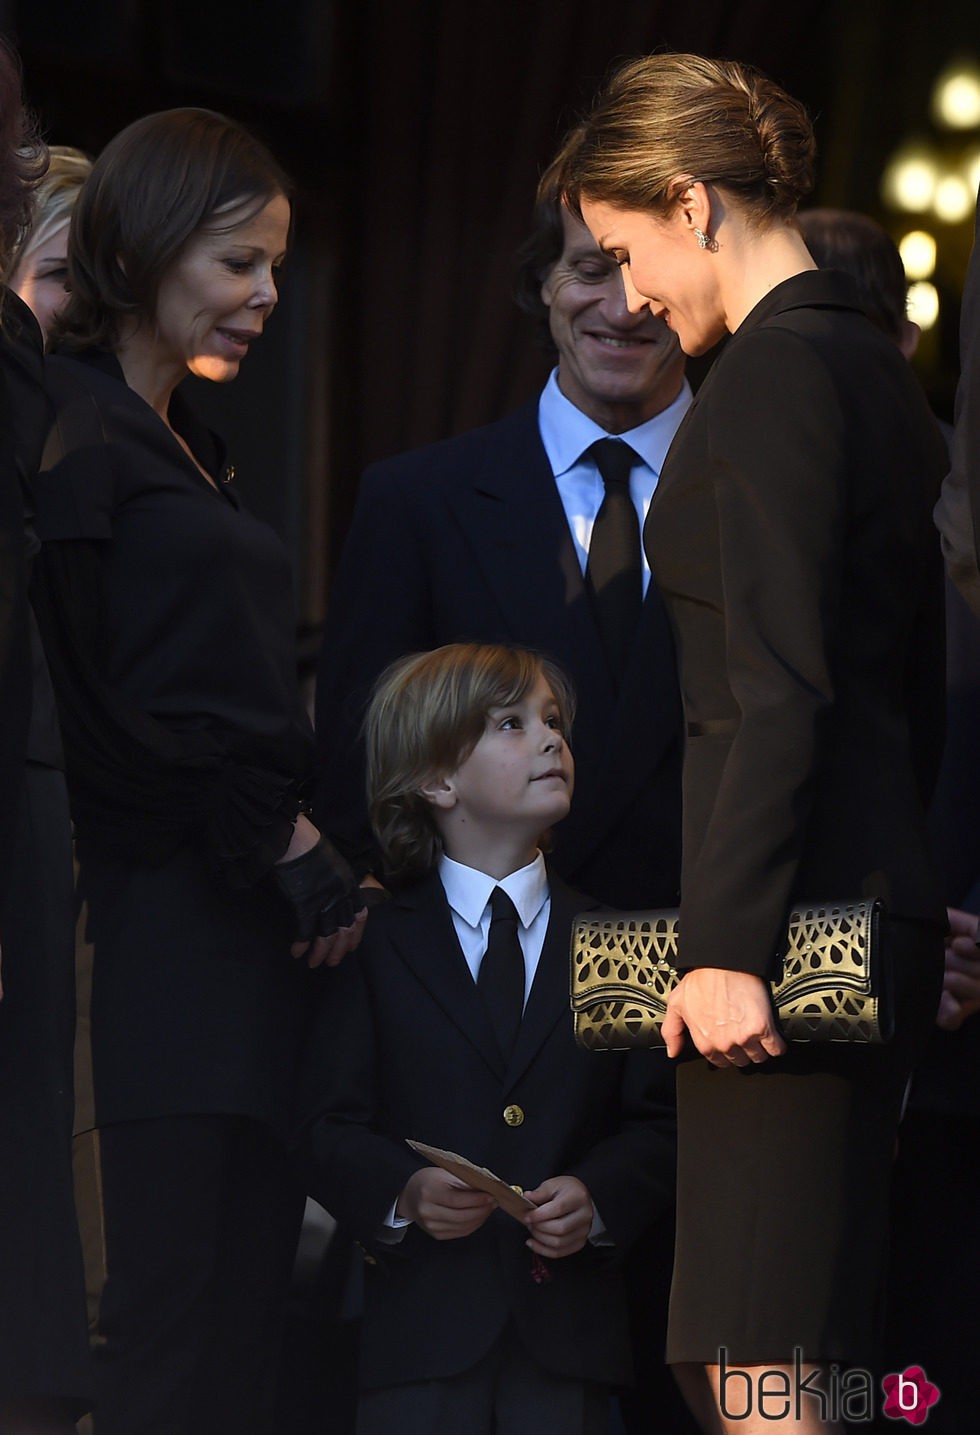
pixel 518 778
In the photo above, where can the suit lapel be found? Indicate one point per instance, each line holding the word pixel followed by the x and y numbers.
pixel 422 932
pixel 650 696
pixel 509 509
pixel 548 1003
pixel 509 513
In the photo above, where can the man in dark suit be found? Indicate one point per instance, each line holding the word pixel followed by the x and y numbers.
pixel 486 537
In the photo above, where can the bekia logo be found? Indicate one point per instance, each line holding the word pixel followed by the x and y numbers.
pixel 775 1394
pixel 909 1396
pixel 779 1393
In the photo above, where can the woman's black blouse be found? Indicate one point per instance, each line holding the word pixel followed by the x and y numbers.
pixel 167 613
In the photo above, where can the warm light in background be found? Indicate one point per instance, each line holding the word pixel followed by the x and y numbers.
pixel 934 175
pixel 918 251
pixel 956 96
pixel 952 200
pixel 910 179
pixel 923 304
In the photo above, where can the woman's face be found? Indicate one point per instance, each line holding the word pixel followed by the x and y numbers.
pixel 664 269
pixel 41 278
pixel 216 296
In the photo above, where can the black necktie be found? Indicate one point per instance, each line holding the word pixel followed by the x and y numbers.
pixel 614 574
pixel 500 979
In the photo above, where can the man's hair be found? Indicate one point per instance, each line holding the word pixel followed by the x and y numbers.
pixel 538 254
pixel 427 713
pixel 842 239
pixel 162 179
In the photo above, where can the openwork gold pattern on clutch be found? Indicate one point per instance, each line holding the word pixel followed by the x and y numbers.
pixel 832 985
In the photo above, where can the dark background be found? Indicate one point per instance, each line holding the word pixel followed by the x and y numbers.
pixel 415 131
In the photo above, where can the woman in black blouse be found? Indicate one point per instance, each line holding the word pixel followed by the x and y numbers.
pixel 212 899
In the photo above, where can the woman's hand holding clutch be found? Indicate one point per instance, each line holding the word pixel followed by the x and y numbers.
pixel 728 1014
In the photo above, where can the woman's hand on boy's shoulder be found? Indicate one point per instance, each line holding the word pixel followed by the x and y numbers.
pixel 445 1207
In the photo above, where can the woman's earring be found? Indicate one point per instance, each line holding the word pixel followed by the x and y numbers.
pixel 704 242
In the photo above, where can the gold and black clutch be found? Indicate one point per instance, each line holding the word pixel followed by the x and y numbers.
pixel 832 987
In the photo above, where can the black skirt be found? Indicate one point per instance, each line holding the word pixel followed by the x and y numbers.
pixel 783 1180
pixel 197 1006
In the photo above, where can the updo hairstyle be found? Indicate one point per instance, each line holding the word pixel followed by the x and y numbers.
pixel 669 115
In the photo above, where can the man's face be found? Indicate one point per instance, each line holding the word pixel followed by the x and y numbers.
pixel 617 367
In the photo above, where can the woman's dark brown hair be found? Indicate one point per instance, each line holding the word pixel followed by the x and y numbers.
pixel 158 182
pixel 23 158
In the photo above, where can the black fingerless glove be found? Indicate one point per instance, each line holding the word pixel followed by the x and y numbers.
pixel 321 889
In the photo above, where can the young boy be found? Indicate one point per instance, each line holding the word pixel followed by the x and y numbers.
pixel 450 1028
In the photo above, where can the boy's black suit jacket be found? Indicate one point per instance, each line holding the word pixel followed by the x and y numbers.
pixel 467 540
pixel 403 1048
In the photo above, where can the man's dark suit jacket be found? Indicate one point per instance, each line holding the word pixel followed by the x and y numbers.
pixel 792 539
pixel 467 540
pixel 403 1049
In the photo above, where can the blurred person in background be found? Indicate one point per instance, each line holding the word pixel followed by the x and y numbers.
pixel 45 1379
pixel 935 1246
pixel 38 266
pixel 958 510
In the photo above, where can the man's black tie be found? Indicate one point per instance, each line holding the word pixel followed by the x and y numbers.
pixel 500 979
pixel 613 573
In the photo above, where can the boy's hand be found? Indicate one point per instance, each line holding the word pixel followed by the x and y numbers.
pixel 561 1224
pixel 444 1207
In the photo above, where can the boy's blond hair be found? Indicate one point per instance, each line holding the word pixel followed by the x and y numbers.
pixel 426 716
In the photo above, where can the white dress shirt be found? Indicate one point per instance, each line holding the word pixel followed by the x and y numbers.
pixel 567 433
pixel 468 894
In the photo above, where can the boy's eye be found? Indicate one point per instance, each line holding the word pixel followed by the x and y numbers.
pixel 555 721
pixel 508 724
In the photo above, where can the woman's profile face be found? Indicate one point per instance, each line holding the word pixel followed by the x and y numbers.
pixel 41 278
pixel 219 291
pixel 664 270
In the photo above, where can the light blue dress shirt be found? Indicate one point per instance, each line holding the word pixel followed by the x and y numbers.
pixel 567 433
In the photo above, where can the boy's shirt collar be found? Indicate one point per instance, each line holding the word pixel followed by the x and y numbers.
pixel 468 890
